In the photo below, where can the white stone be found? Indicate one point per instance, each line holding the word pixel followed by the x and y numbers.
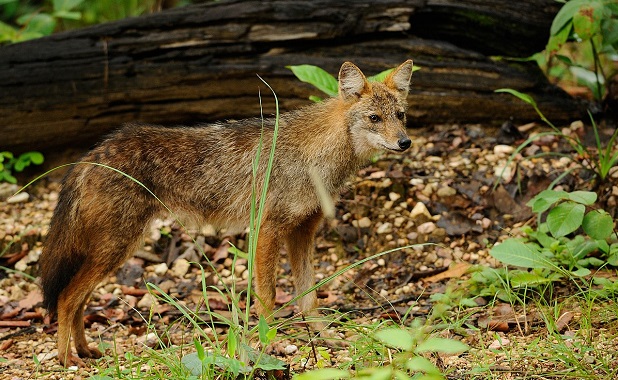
pixel 160 269
pixel 180 267
pixel 426 228
pixel 364 222
pixel 503 150
pixel 146 302
pixel 19 198
pixel 290 349
pixel 393 196
pixel 385 228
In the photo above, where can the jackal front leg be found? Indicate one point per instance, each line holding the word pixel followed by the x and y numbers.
pixel 266 264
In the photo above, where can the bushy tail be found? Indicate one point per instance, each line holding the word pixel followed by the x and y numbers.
pixel 60 260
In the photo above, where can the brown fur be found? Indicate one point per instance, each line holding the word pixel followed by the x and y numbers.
pixel 205 171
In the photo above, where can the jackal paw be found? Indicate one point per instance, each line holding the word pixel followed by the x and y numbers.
pixel 87 352
pixel 71 361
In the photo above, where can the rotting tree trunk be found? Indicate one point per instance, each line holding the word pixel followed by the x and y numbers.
pixel 199 63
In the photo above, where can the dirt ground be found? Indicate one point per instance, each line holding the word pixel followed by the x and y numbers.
pixel 441 191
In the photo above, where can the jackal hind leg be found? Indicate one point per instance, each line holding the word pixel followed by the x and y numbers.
pixel 300 245
pixel 71 306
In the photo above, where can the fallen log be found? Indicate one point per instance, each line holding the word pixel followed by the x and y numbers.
pixel 199 63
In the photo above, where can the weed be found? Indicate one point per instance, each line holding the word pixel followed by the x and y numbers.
pixel 599 161
pixel 10 164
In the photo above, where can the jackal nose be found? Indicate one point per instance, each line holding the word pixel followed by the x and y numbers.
pixel 404 143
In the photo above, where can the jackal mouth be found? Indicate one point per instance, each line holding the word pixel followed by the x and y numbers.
pixel 398 150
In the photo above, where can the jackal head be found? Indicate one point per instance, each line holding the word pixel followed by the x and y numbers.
pixel 377 110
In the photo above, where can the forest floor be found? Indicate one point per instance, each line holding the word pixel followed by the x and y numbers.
pixel 438 200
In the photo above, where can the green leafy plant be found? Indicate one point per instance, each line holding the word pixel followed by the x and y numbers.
pixel 404 349
pixel 599 159
pixel 589 24
pixel 550 248
pixel 327 83
pixel 35 23
pixel 10 164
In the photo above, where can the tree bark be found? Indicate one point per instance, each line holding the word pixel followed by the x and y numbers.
pixel 199 63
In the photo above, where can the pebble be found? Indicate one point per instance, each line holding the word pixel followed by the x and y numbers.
pixel 364 222
pixel 398 222
pixel 290 349
pixel 385 228
pixel 180 267
pixel 160 269
pixel 426 228
pixel 446 191
pixel 19 198
pixel 146 302
pixel 393 196
pixel 381 262
pixel 503 150
pixel 420 214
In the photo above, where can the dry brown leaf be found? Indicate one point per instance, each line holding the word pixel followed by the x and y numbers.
pixel 457 271
pixel 33 298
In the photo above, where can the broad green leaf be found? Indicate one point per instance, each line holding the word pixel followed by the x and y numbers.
pixel 7 177
pixel 7 33
pixel 565 15
pixel 545 199
pixel 442 345
pixel 556 41
pixel 598 224
pixel 379 77
pixel 20 164
pixel 40 24
pixel 66 5
pixel 262 360
pixel 545 240
pixel 263 330
pixel 314 98
pixel 270 363
pixel 323 374
pixel 517 253
pixel 524 97
pixel 587 20
pixel 581 272
pixel 35 157
pixel 579 247
pixel 316 76
pixel 421 364
pixel 613 259
pixel 396 337
pixel 193 363
pixel 609 30
pixel 584 197
pixel 68 15
pixel 521 279
pixel 378 373
pixel 565 218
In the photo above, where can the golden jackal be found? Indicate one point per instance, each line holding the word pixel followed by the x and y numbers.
pixel 206 171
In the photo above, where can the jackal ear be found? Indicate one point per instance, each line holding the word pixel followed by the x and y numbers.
pixel 399 79
pixel 352 82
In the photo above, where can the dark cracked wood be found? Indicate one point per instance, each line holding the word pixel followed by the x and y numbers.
pixel 199 63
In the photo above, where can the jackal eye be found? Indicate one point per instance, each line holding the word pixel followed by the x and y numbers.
pixel 375 118
pixel 401 115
